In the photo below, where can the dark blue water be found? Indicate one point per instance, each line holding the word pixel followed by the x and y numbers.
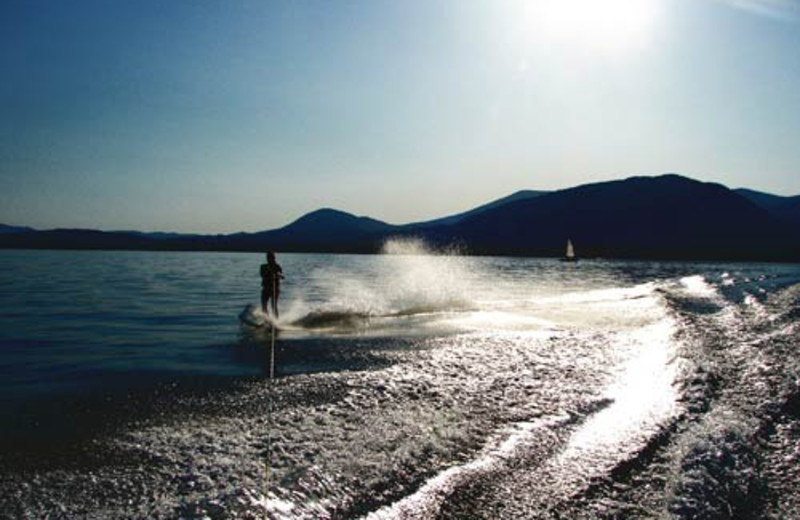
pixel 79 321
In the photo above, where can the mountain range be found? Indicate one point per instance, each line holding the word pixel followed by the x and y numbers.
pixel 663 217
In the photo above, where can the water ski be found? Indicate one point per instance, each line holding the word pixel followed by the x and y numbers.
pixel 252 316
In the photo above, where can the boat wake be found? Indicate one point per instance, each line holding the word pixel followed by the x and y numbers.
pixel 431 386
pixel 683 430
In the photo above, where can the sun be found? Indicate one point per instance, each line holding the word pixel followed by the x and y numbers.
pixel 603 25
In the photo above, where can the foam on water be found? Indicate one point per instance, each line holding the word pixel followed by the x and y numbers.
pixel 603 295
pixel 496 456
pixel 637 403
pixel 416 289
pixel 412 281
pixel 698 285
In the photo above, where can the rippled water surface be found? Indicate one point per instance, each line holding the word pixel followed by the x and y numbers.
pixel 406 385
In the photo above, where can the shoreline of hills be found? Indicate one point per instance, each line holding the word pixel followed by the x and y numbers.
pixel 666 217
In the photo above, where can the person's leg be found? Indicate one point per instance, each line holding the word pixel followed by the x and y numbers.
pixel 275 303
pixel 264 301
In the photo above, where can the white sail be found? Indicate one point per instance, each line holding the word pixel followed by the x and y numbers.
pixel 570 250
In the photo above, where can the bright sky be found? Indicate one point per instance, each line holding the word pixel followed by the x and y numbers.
pixel 228 115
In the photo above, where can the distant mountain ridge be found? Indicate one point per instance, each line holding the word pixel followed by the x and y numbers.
pixel 453 219
pixel 4 228
pixel 783 208
pixel 332 221
pixel 663 217
pixel 653 217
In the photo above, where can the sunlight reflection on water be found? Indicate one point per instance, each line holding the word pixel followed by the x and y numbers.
pixel 643 397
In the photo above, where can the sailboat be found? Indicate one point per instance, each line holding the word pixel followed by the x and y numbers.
pixel 569 256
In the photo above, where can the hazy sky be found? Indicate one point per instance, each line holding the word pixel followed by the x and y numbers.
pixel 218 116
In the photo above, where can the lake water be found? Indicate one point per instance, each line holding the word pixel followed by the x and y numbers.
pixel 406 385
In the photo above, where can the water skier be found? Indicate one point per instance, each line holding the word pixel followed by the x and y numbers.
pixel 271 275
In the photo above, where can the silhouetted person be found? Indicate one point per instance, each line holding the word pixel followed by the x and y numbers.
pixel 271 274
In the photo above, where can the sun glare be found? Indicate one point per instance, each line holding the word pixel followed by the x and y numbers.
pixel 603 25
